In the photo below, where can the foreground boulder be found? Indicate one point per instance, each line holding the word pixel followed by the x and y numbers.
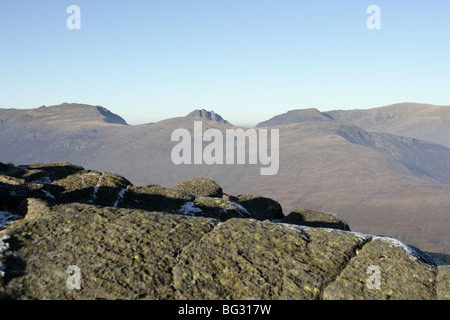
pixel 386 269
pixel 60 183
pixel 201 187
pixel 154 242
pixel 137 254
pixel 261 208
pixel 306 217
pixel 153 198
pixel 122 253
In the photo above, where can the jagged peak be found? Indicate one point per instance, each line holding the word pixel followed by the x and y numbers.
pixel 207 115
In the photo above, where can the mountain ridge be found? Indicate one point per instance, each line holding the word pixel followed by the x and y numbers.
pixel 68 112
pixel 378 182
pixel 422 121
pixel 296 116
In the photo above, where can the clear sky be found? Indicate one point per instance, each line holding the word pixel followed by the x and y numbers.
pixel 247 60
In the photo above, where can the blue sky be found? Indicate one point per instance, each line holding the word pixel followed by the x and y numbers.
pixel 247 60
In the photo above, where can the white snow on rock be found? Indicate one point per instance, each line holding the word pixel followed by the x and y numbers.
pixel 5 218
pixel 189 209
pixel 414 253
pixel 48 194
pixel 43 180
pixel 241 209
pixel 302 230
pixel 120 197
pixel 4 246
pixel 96 188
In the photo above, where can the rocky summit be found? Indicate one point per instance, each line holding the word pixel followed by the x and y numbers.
pixel 190 241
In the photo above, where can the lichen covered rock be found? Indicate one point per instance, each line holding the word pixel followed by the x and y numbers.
pixel 122 253
pixel 385 269
pixel 201 187
pixel 316 219
pixel 250 259
pixel 189 242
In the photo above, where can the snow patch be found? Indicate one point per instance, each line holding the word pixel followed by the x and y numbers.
pixel 96 188
pixel 48 194
pixel 241 209
pixel 120 197
pixel 297 228
pixel 414 253
pixel 4 246
pixel 43 180
pixel 6 218
pixel 361 237
pixel 189 209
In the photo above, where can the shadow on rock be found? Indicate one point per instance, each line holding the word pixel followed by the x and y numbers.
pixel 16 268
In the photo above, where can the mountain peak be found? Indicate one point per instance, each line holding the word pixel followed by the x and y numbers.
pixel 207 115
pixel 294 116
pixel 84 112
pixel 63 113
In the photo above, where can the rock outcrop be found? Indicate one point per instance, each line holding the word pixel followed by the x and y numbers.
pixel 201 187
pixel 207 115
pixel 312 218
pixel 190 242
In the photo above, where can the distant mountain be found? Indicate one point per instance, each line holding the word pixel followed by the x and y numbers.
pixel 66 112
pixel 379 182
pixel 207 115
pixel 295 116
pixel 421 121
pixel 75 131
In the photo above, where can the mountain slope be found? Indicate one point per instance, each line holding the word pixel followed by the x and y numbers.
pixel 56 133
pixel 56 115
pixel 421 121
pixel 295 116
pixel 380 183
